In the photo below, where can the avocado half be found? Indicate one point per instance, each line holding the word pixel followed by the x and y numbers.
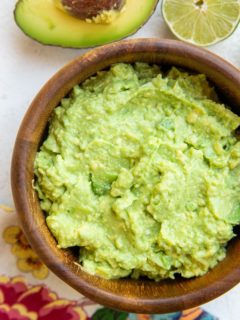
pixel 43 21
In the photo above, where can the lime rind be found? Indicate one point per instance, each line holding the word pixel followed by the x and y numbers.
pixel 202 23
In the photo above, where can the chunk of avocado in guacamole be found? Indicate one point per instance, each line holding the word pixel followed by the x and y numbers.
pixel 141 170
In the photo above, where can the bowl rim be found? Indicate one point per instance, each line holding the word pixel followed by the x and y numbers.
pixel 23 196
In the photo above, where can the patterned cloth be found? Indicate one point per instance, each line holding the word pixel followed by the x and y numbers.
pixel 29 291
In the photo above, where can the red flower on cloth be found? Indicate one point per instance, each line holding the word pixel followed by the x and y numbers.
pixel 18 301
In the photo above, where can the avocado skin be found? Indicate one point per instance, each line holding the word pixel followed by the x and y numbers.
pixel 87 42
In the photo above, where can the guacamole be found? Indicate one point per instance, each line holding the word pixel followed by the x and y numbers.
pixel 141 171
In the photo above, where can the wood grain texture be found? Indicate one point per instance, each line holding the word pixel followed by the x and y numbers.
pixel 141 296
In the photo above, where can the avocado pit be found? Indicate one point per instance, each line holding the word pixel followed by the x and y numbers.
pixel 88 9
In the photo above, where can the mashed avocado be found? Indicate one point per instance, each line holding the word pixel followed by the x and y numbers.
pixel 141 170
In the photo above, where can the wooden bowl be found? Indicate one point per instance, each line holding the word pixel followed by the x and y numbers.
pixel 140 296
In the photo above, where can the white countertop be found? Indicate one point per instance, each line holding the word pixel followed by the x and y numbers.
pixel 26 65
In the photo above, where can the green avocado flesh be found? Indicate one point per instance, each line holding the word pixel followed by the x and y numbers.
pixel 45 22
pixel 141 170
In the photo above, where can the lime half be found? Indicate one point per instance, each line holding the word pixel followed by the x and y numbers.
pixel 201 22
